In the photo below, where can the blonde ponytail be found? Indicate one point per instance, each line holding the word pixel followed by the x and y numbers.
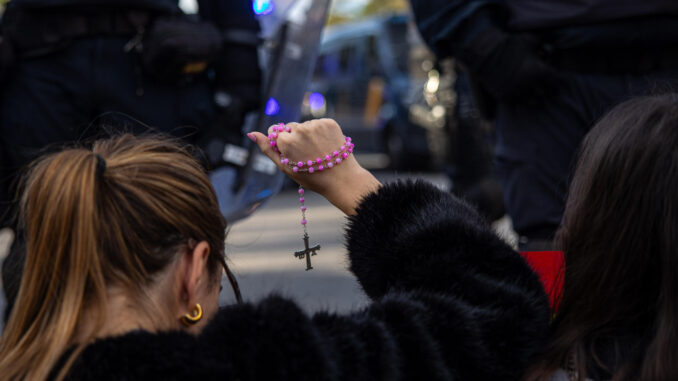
pixel 84 222
pixel 61 227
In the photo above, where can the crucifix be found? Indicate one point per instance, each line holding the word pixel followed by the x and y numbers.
pixel 307 252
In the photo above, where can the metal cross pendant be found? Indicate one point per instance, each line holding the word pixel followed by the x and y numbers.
pixel 307 252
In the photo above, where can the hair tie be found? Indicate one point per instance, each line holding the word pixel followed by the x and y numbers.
pixel 101 166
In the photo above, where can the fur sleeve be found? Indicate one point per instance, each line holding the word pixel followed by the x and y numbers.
pixel 411 235
pixel 489 311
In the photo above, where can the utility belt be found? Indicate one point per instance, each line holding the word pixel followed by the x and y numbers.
pixel 171 48
pixel 38 33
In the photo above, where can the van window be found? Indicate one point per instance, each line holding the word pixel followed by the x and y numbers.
pixel 327 65
pixel 398 36
pixel 373 62
pixel 346 58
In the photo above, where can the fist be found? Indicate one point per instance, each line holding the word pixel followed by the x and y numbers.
pixel 309 141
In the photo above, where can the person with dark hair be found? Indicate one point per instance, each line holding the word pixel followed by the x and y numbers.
pixel 545 71
pixel 619 303
pixel 125 247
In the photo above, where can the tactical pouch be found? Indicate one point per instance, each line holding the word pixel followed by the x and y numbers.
pixel 7 58
pixel 176 49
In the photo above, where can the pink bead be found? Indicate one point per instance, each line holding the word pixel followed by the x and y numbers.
pixel 330 164
pixel 335 153
pixel 302 200
pixel 300 164
pixel 283 161
pixel 318 160
pixel 344 155
pixel 276 149
pixel 350 150
pixel 321 168
pixel 303 208
pixel 301 191
pixel 348 139
pixel 311 169
pixel 309 163
pixel 288 129
pixel 338 161
pixel 328 157
pixel 303 222
pixel 295 169
pixel 272 135
pixel 342 148
pixel 272 143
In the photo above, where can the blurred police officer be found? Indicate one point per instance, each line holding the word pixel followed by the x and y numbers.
pixel 546 71
pixel 75 60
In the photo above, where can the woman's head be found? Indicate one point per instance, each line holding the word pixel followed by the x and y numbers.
pixel 129 227
pixel 620 238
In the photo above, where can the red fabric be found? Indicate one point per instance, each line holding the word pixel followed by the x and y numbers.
pixel 548 265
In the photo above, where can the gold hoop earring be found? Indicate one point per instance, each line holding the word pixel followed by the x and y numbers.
pixel 193 317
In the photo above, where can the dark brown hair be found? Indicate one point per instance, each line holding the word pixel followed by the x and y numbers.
pixel 620 239
pixel 115 214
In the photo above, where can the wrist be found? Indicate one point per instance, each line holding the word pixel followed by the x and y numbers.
pixel 350 188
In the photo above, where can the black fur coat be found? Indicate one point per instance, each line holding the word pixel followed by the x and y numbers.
pixel 450 301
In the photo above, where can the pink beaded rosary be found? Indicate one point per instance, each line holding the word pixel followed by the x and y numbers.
pixel 318 165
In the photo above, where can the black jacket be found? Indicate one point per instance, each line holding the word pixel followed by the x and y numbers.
pixel 456 27
pixel 451 301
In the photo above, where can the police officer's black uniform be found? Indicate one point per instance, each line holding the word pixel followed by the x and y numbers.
pixel 551 68
pixel 80 59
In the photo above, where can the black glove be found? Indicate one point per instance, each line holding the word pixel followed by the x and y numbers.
pixel 509 67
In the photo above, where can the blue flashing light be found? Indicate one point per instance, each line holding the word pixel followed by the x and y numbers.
pixel 262 7
pixel 316 101
pixel 272 107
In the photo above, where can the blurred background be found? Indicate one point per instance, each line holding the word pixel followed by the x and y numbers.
pixel 407 114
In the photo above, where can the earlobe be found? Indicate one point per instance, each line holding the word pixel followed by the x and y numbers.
pixel 193 317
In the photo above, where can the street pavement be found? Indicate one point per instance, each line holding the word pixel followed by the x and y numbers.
pixel 260 251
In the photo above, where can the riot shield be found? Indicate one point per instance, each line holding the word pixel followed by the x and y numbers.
pixel 292 32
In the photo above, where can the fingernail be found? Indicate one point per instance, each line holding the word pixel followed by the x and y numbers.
pixel 252 137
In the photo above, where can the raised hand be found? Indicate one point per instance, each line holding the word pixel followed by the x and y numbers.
pixel 343 184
